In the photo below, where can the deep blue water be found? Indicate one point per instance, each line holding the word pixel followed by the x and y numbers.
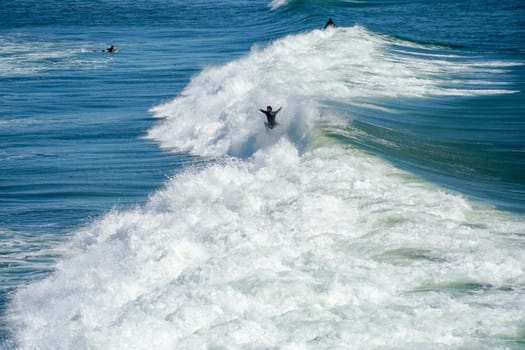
pixel 91 140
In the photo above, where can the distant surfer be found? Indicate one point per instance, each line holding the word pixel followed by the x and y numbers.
pixel 330 23
pixel 110 49
pixel 270 116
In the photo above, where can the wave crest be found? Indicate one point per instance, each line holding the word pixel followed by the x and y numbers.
pixel 217 113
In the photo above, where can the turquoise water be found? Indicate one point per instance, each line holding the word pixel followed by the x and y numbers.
pixel 143 204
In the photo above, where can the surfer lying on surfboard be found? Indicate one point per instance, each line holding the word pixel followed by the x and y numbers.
pixel 270 115
pixel 110 49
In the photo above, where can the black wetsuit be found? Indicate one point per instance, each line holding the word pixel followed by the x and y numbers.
pixel 330 23
pixel 270 115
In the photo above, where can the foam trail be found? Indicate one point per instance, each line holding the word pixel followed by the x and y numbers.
pixel 217 114
pixel 327 249
pixel 22 57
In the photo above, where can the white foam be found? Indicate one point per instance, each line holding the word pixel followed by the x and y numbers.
pixel 325 249
pixel 217 114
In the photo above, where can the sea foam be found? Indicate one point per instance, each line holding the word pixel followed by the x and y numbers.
pixel 285 250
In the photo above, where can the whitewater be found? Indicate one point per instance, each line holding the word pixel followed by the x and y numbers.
pixel 292 238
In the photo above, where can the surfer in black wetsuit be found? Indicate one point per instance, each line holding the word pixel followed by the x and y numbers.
pixel 330 23
pixel 270 115
pixel 111 49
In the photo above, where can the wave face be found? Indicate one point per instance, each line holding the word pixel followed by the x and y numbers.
pixel 293 238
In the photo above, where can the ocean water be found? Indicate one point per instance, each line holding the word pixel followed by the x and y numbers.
pixel 144 205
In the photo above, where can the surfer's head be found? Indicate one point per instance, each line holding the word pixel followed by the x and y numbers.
pixel 269 108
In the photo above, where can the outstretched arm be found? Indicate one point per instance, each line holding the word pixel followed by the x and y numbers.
pixel 263 111
pixel 277 111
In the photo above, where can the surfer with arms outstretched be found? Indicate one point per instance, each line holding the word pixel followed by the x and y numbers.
pixel 270 116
